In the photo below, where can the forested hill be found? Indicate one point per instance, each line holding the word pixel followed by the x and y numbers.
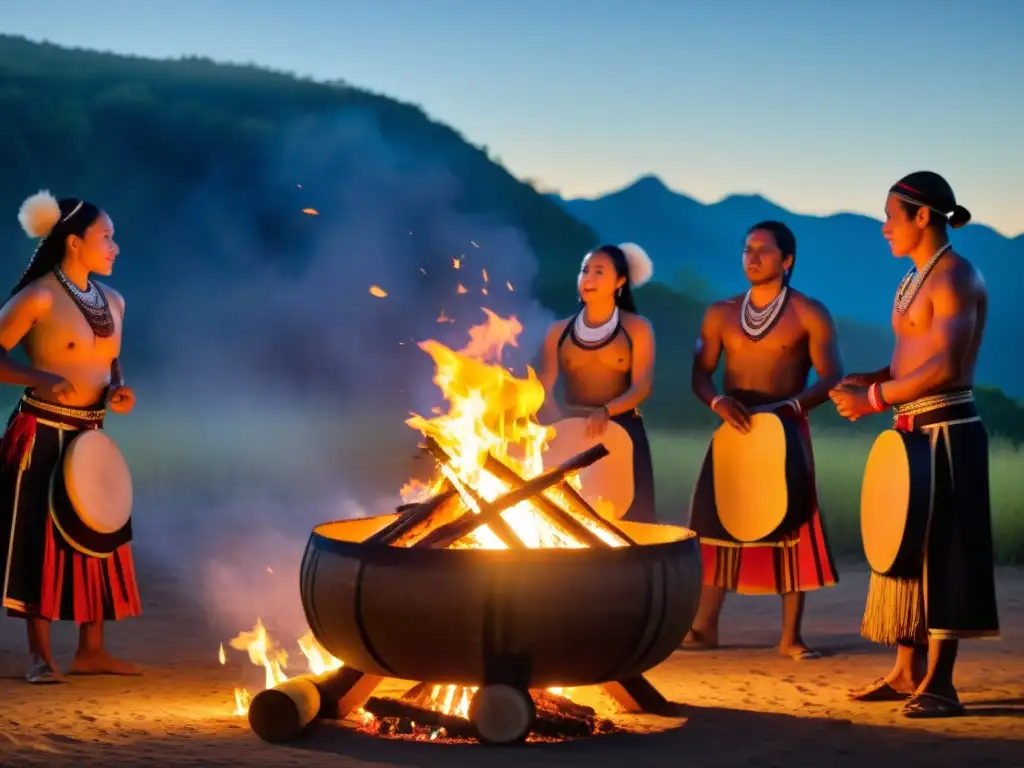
pixel 255 209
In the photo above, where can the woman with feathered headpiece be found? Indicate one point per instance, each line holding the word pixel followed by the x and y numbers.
pixel 69 327
pixel 604 355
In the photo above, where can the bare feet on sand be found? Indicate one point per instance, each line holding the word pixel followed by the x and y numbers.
pixel 798 651
pixel 101 663
pixel 893 687
pixel 43 671
pixel 696 640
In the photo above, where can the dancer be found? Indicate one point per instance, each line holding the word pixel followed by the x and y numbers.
pixel 770 338
pixel 939 318
pixel 604 355
pixel 70 329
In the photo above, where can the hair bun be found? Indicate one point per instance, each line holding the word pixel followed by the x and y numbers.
pixel 959 217
pixel 641 268
pixel 39 214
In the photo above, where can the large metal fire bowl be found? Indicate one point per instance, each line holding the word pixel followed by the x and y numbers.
pixel 528 618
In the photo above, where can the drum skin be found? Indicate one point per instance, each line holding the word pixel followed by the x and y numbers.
pixel 611 478
pixel 529 618
pixel 93 462
pixel 761 480
pixel 895 503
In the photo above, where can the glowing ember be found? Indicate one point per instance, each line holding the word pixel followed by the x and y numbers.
pixel 462 288
pixel 311 211
pixel 456 263
pixel 376 290
pixel 508 285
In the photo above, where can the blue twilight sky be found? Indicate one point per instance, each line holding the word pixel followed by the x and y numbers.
pixel 817 104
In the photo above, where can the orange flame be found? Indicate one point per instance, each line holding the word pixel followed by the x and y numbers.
pixel 490 411
pixel 311 211
pixel 376 290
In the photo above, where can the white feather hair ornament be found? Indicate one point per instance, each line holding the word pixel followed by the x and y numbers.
pixel 641 268
pixel 39 214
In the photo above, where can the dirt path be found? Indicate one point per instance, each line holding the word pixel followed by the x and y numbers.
pixel 745 706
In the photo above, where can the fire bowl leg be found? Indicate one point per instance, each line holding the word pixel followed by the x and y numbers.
pixel 344 690
pixel 636 695
pixel 502 714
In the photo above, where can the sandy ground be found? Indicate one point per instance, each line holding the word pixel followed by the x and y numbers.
pixel 743 705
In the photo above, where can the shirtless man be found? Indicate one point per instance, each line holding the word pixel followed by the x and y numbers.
pixel 939 319
pixel 70 329
pixel 771 338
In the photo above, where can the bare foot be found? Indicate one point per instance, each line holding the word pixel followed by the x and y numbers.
pixel 43 672
pixel 101 663
pixel 797 651
pixel 696 640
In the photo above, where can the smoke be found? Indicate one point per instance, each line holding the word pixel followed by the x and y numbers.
pixel 283 384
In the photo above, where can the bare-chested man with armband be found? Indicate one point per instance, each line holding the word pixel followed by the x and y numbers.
pixel 770 338
pixel 938 317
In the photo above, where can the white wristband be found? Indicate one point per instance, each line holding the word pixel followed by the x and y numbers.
pixel 714 401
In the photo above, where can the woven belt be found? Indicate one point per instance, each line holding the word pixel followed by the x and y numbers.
pixel 81 414
pixel 934 402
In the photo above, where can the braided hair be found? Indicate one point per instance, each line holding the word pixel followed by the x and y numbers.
pixel 43 216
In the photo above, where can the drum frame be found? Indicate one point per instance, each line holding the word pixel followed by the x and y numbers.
pixel 70 524
pixel 704 518
pixel 908 561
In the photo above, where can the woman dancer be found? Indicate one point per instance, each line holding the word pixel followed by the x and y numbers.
pixel 604 355
pixel 69 326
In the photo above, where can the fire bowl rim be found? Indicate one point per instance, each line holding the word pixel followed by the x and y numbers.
pixel 383 553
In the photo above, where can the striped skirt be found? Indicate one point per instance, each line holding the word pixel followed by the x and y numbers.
pixel 43 575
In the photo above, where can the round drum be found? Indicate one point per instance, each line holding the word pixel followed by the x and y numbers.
pixel 92 495
pixel 611 478
pixel 895 502
pixel 760 478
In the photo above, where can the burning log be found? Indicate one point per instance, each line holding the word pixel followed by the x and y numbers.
pixel 511 478
pixel 498 525
pixel 396 716
pixel 448 534
pixel 280 713
pixel 508 476
pixel 416 518
pixel 502 722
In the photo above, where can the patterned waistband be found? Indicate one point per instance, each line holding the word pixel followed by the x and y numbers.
pixel 934 402
pixel 63 413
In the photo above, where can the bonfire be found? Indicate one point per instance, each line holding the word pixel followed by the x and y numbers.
pixel 488 443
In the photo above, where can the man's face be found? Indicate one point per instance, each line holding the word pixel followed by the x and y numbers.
pixel 903 232
pixel 763 262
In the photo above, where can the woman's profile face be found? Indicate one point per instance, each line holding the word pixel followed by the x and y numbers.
pixel 95 249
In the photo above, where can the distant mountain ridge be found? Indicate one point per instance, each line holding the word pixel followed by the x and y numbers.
pixel 842 258
pixel 209 171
